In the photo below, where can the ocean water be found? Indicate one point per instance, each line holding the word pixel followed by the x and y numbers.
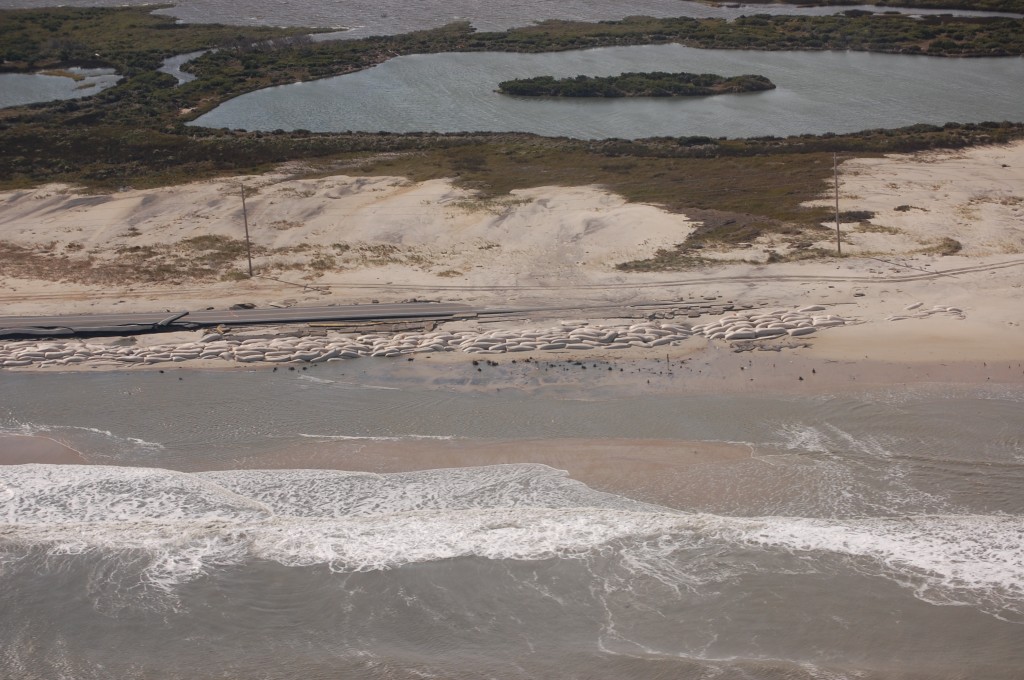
pixel 877 534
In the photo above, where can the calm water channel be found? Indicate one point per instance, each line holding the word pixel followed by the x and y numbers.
pixel 17 89
pixel 817 92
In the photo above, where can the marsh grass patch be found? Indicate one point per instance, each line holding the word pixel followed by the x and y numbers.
pixel 945 246
pixel 871 228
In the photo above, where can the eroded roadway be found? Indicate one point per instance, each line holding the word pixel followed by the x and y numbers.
pixel 73 324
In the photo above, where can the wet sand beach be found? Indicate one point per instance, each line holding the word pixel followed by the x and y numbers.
pixel 20 449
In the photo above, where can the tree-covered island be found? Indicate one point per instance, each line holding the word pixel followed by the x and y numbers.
pixel 654 84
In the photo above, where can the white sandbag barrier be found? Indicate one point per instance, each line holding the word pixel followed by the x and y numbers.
pixel 756 325
pixel 917 311
pixel 574 336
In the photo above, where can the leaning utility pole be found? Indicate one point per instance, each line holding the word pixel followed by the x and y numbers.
pixel 835 172
pixel 245 218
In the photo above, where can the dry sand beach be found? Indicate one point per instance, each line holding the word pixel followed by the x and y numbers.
pixel 343 239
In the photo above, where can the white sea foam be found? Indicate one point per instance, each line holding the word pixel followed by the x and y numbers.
pixel 405 437
pixel 55 495
pixel 335 494
pixel 189 523
pixel 28 429
pixel 142 443
pixel 948 559
pixel 800 437
pixel 18 429
pixel 881 483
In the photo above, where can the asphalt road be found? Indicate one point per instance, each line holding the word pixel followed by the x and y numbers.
pixel 407 310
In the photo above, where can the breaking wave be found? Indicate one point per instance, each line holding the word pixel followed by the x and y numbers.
pixel 186 524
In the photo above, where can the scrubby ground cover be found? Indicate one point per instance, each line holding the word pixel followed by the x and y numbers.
pixel 131 40
pixel 973 5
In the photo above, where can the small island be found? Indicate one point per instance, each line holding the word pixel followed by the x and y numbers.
pixel 655 84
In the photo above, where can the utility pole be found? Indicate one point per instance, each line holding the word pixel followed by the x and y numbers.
pixel 248 246
pixel 835 172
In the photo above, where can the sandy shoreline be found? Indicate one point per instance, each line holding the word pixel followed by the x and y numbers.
pixel 642 468
pixel 18 449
